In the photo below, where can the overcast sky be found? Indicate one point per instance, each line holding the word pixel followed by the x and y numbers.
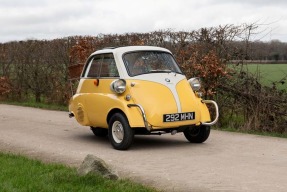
pixel 48 19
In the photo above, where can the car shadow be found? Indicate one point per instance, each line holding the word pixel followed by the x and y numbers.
pixel 141 142
pixel 159 142
pixel 91 138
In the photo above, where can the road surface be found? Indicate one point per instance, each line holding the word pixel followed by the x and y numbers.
pixel 225 162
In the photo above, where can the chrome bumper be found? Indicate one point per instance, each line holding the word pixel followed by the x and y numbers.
pixel 143 115
pixel 203 101
pixel 216 112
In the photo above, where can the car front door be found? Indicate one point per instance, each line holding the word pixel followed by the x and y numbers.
pixel 100 72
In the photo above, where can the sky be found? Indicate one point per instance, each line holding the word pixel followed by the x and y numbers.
pixel 50 19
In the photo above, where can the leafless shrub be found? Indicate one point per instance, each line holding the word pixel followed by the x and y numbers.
pixel 5 86
pixel 260 108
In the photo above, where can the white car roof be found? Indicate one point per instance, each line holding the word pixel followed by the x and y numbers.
pixel 122 50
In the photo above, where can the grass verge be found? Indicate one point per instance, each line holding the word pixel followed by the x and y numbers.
pixel 18 173
pixel 281 135
pixel 37 105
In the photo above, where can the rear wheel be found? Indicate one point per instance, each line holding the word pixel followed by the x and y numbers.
pixel 99 132
pixel 120 133
pixel 197 134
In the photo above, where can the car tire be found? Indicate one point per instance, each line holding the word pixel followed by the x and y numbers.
pixel 197 134
pixel 120 133
pixel 99 132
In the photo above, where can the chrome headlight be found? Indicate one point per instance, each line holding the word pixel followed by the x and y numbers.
pixel 195 83
pixel 118 86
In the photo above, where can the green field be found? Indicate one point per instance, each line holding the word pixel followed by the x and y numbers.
pixel 269 73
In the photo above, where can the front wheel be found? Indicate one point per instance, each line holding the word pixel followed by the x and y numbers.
pixel 120 133
pixel 197 134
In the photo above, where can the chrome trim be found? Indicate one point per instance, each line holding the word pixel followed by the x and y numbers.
pixel 216 112
pixel 143 115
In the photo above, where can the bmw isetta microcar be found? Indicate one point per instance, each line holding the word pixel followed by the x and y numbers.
pixel 133 90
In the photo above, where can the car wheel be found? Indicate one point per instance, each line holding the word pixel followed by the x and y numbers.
pixel 197 134
pixel 120 133
pixel 99 132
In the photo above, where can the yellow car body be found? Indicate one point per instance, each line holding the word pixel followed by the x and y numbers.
pixel 92 104
pixel 153 100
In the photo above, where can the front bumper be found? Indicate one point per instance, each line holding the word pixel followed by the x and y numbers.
pixel 149 128
pixel 143 115
pixel 216 112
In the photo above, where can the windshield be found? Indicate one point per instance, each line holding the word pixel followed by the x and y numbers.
pixel 143 62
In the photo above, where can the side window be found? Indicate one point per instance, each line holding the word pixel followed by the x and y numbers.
pixel 109 68
pixel 102 65
pixel 94 67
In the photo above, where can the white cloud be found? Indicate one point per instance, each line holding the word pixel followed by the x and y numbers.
pixel 44 19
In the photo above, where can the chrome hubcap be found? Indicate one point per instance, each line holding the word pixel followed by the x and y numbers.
pixel 118 132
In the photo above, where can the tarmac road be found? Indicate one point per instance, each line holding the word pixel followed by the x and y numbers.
pixel 225 162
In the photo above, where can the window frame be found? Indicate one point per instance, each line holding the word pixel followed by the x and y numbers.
pixel 88 65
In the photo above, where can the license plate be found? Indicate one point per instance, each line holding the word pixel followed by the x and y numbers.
pixel 178 117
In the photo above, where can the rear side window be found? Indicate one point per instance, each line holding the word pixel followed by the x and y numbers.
pixel 94 67
pixel 102 65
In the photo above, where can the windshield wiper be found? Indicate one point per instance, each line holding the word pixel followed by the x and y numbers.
pixel 160 71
